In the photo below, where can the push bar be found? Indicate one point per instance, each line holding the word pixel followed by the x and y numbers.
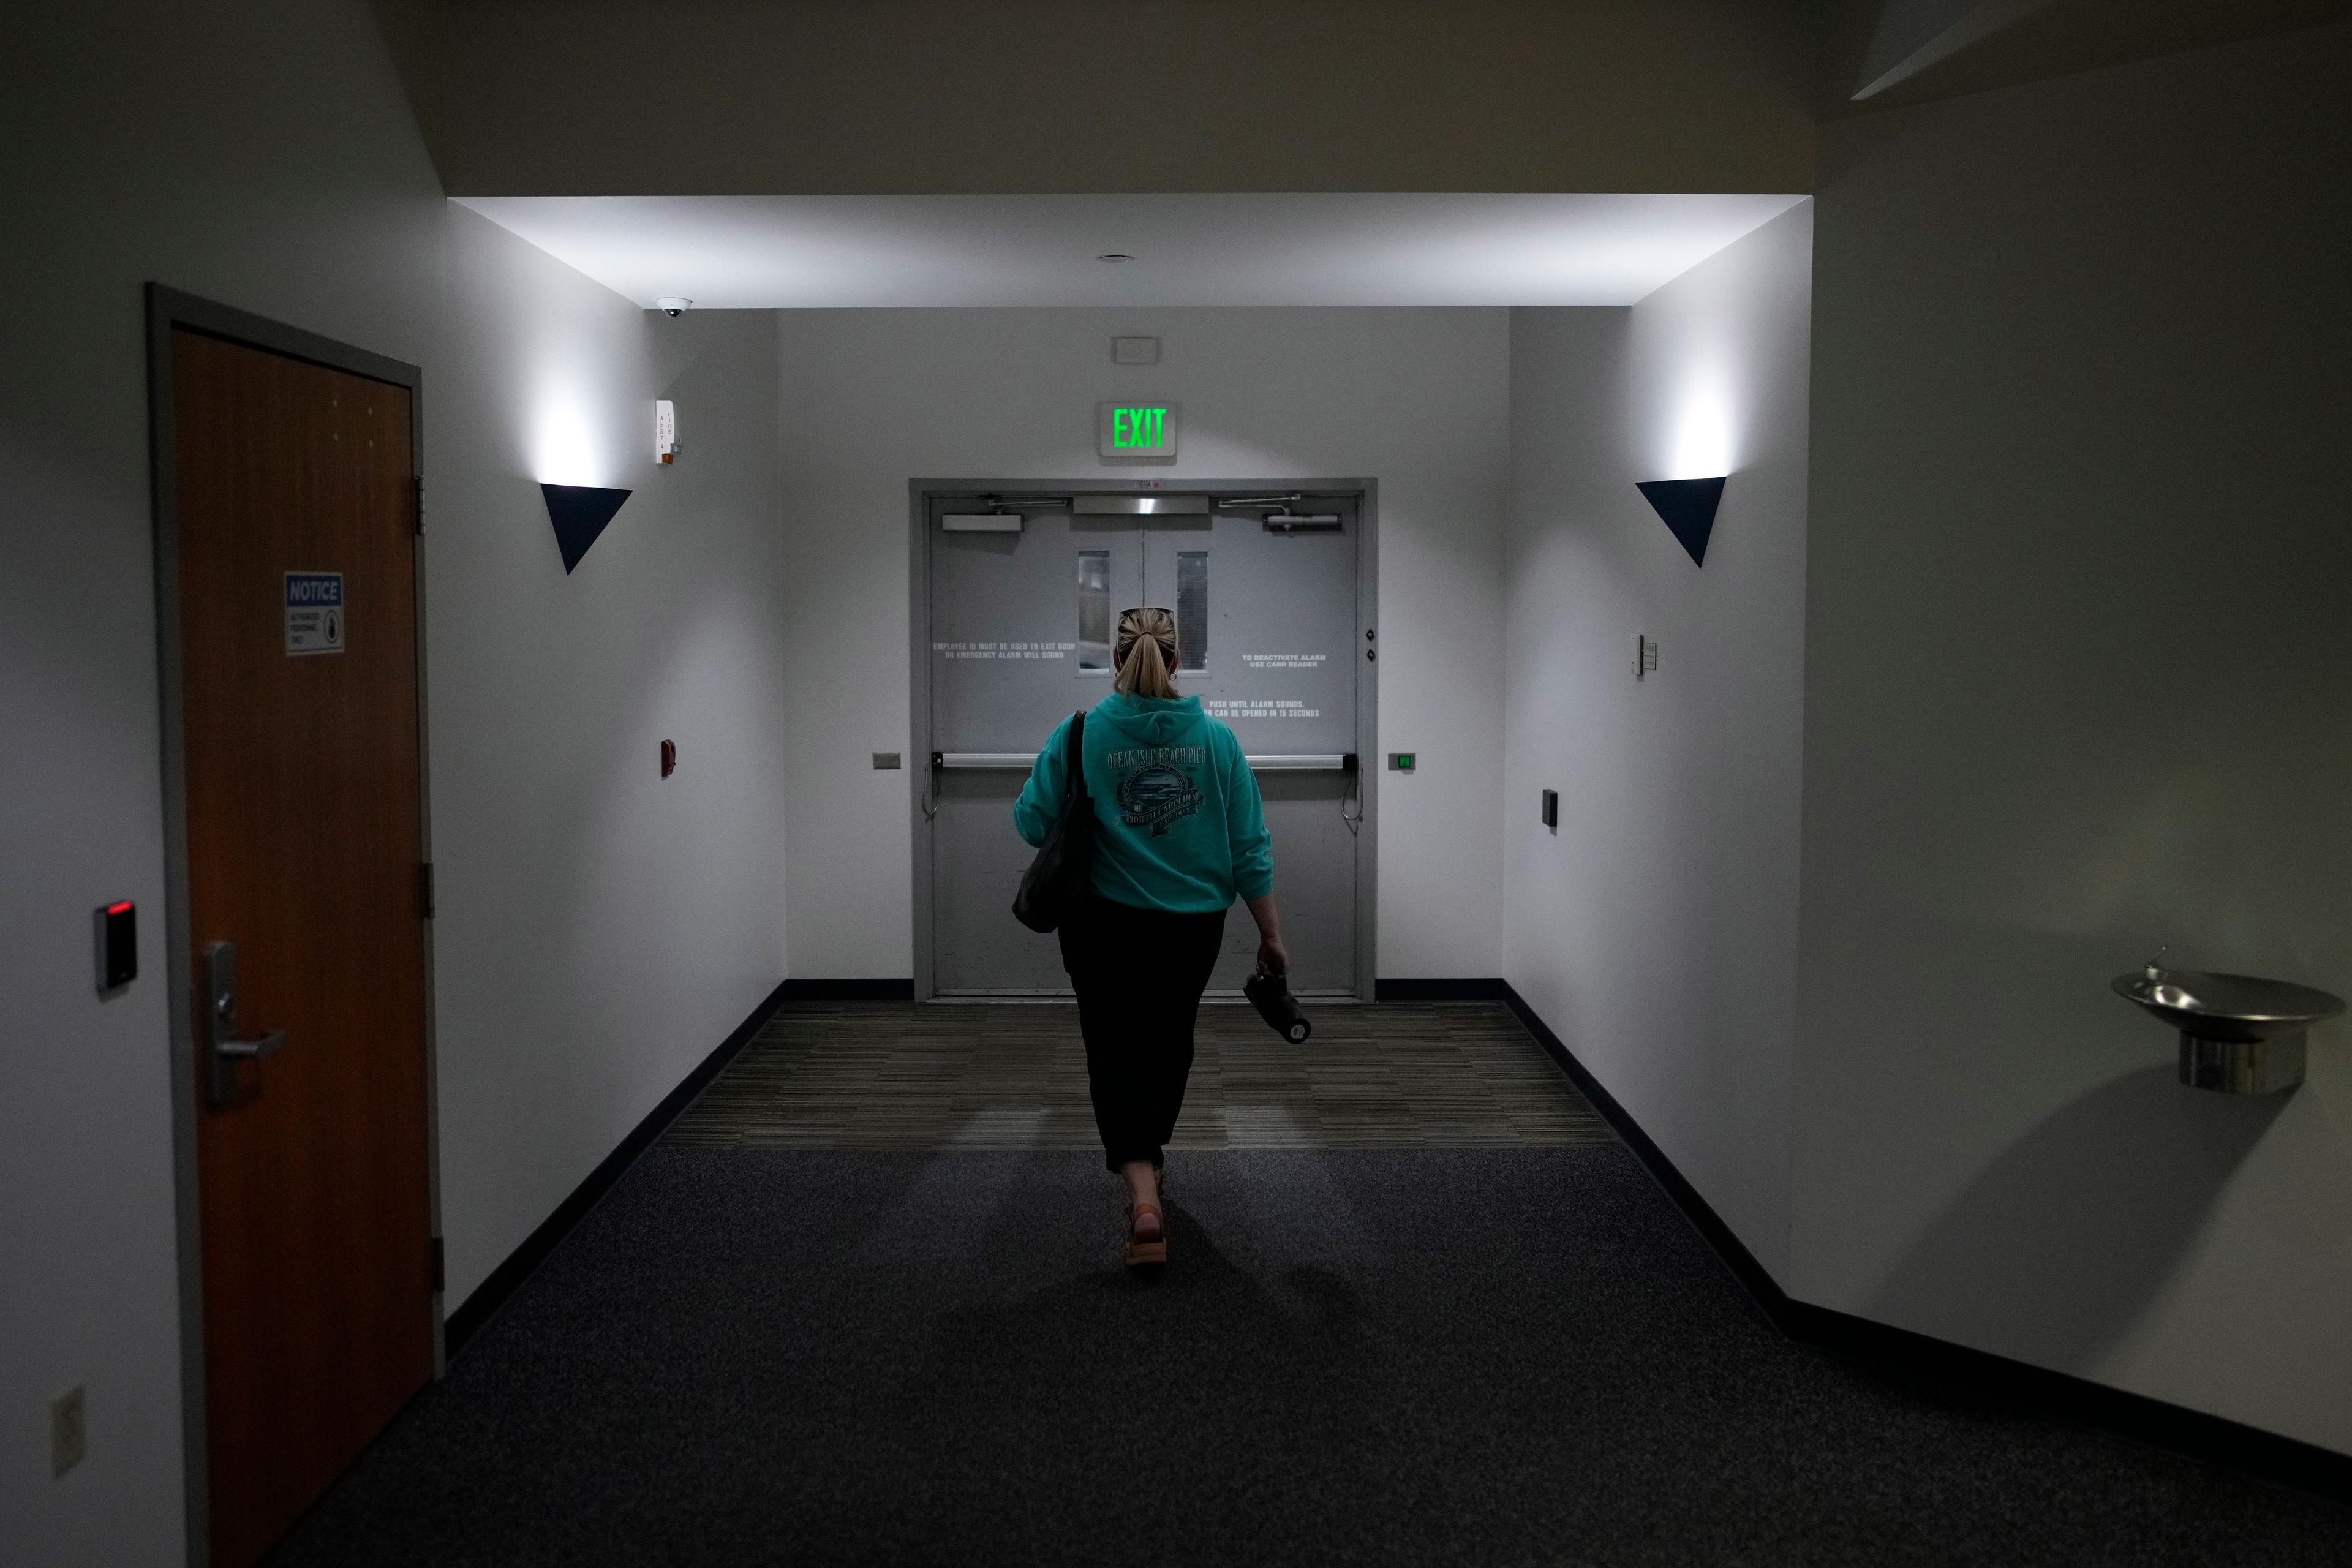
pixel 1310 761
pixel 1025 761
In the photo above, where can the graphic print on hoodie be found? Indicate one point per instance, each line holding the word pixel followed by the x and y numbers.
pixel 1178 821
pixel 1156 786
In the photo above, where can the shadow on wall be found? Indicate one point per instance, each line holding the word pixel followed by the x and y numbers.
pixel 2054 1251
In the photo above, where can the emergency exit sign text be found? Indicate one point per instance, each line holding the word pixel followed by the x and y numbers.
pixel 1136 429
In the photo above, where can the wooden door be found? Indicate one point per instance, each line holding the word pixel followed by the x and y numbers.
pixel 305 848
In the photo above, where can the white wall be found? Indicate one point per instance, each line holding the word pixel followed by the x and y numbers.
pixel 1415 399
pixel 1655 931
pixel 597 934
pixel 2079 686
pixel 602 929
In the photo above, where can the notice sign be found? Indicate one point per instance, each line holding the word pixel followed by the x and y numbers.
pixel 314 613
pixel 1004 650
pixel 1259 708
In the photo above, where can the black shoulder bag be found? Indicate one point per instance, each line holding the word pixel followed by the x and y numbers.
pixel 1055 885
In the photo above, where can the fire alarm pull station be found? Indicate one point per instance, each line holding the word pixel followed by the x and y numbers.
pixel 117 945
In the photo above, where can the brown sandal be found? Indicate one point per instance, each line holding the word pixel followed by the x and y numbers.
pixel 1139 1251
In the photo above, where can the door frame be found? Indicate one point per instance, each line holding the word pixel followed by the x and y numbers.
pixel 919 494
pixel 169 309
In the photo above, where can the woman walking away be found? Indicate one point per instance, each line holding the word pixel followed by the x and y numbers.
pixel 1179 831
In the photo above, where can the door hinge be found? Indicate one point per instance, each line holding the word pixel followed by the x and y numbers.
pixel 440 1267
pixel 424 887
pixel 418 517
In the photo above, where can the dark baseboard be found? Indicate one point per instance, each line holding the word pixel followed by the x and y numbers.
pixel 1952 1371
pixel 1440 991
pixel 848 991
pixel 1752 1276
pixel 491 1294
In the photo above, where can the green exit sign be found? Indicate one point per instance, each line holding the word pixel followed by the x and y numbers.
pixel 1136 429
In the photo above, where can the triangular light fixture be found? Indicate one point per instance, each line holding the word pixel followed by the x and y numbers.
pixel 1687 508
pixel 579 513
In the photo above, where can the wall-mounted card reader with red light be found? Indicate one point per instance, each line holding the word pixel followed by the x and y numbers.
pixel 117 945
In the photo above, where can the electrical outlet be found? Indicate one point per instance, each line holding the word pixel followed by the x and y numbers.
pixel 69 1431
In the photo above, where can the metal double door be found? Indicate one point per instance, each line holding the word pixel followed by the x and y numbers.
pixel 1022 608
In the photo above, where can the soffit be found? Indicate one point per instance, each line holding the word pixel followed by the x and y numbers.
pixel 799 252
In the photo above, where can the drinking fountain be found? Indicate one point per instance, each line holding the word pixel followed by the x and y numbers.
pixel 2239 1033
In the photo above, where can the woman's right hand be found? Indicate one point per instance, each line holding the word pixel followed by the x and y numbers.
pixel 1272 956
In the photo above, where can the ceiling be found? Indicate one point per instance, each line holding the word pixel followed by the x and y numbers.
pixel 757 98
pixel 1956 47
pixel 802 252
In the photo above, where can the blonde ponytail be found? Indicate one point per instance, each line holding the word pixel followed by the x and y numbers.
pixel 1146 653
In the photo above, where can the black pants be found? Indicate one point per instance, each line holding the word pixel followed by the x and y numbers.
pixel 1139 974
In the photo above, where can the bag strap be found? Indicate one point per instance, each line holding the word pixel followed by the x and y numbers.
pixel 1073 761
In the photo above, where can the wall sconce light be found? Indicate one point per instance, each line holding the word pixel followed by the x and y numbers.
pixel 1687 508
pixel 579 513
pixel 664 431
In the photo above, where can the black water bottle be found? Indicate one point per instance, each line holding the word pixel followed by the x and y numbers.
pixel 1270 994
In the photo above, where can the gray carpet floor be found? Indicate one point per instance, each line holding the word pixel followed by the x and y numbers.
pixel 1516 1355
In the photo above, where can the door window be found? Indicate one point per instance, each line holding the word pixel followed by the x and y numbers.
pixel 1093 610
pixel 1191 609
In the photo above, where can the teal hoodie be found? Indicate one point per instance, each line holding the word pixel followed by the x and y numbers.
pixel 1178 822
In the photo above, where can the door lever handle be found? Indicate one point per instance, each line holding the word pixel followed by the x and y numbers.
pixel 260 1046
pixel 222 1036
